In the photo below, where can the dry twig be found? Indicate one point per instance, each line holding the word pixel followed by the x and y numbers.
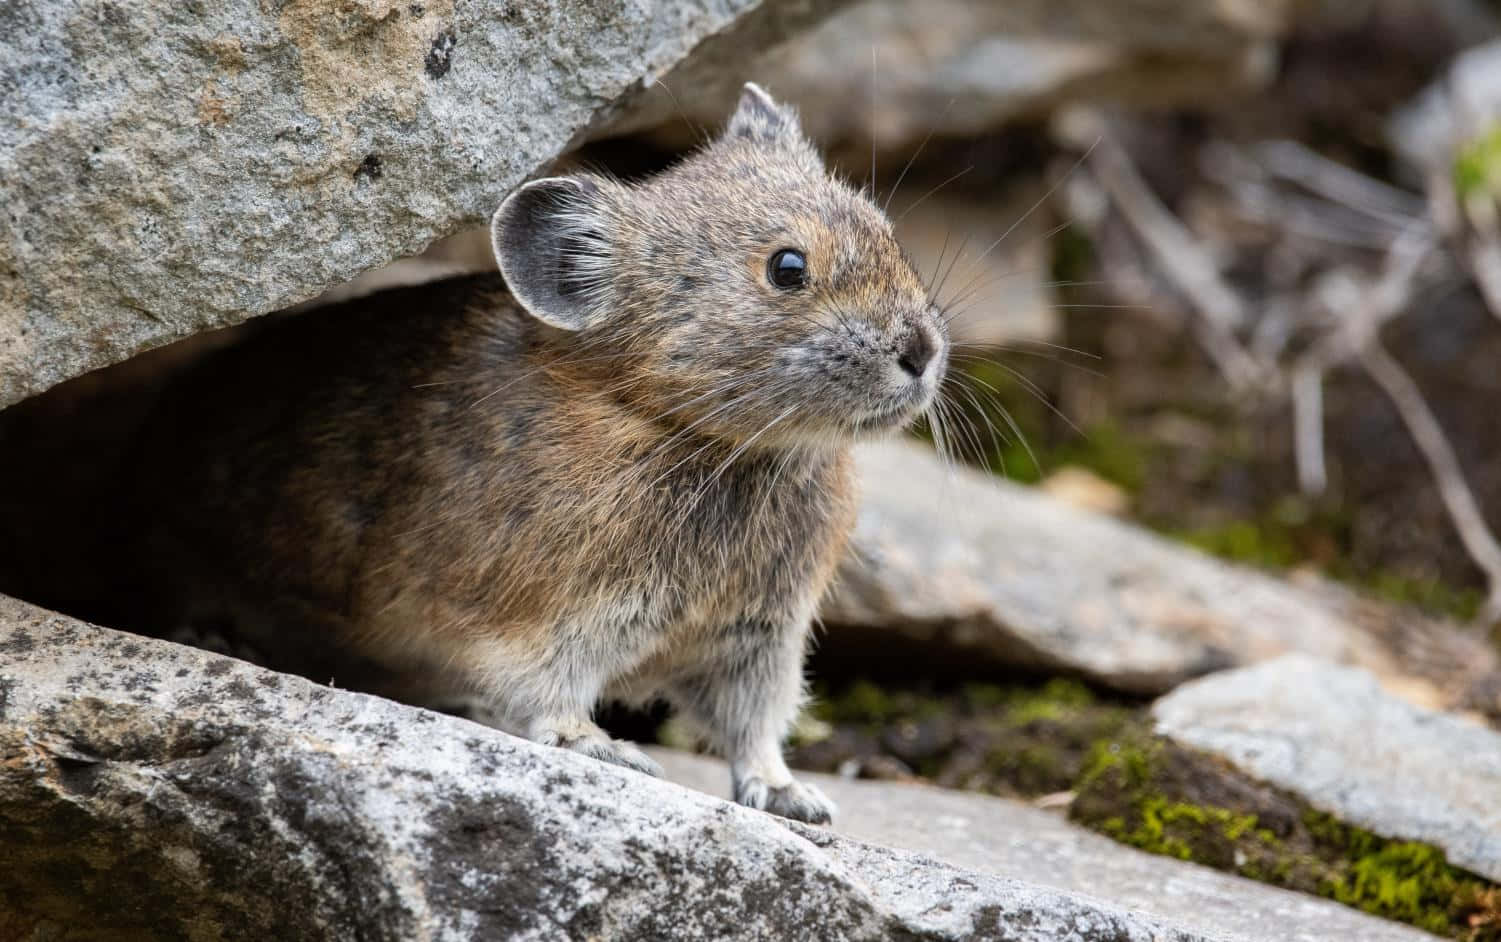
pixel 1177 251
pixel 1429 436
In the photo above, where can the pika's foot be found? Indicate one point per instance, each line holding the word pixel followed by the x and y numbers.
pixel 594 743
pixel 794 800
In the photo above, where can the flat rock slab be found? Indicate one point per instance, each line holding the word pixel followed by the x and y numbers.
pixel 1332 736
pixel 947 554
pixel 1011 839
pixel 169 793
pixel 166 168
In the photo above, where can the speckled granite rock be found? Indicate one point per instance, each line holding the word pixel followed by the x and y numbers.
pixel 166 168
pixel 1331 735
pixel 952 558
pixel 1012 839
pixel 168 793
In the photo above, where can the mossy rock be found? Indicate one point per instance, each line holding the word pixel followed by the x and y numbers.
pixel 1152 794
pixel 1027 740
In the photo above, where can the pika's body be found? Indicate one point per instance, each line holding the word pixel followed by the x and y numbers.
pixel 622 472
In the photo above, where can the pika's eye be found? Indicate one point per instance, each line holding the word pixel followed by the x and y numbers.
pixel 787 269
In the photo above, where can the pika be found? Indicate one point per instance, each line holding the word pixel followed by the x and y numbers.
pixel 620 470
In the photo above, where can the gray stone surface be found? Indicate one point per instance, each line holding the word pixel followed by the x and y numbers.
pixel 954 556
pixel 168 793
pixel 1331 735
pixel 167 168
pixel 1011 839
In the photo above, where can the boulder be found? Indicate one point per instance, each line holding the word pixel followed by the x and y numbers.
pixel 152 791
pixel 167 168
pixel 949 557
pixel 1333 737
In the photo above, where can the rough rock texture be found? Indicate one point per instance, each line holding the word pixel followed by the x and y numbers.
pixel 1332 736
pixel 167 793
pixel 166 168
pixel 1012 839
pixel 952 555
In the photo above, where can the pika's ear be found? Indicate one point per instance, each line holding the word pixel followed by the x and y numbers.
pixel 758 116
pixel 550 243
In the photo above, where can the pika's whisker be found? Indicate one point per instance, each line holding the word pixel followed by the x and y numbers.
pixel 915 154
pixel 971 286
pixel 934 190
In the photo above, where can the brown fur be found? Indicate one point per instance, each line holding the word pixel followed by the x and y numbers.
pixel 646 504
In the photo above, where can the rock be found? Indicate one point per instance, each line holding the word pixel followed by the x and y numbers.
pixel 955 558
pixel 168 793
pixel 891 71
pixel 1082 488
pixel 166 169
pixel 1333 737
pixel 1013 840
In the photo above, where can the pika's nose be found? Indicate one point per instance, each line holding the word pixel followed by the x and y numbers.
pixel 917 353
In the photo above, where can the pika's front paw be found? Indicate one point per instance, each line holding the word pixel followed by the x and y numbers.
pixel 794 800
pixel 597 745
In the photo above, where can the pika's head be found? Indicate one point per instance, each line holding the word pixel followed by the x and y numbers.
pixel 745 292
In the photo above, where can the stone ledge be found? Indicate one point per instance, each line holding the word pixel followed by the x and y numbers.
pixel 168 793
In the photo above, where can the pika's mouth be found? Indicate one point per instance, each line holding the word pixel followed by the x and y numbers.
pixel 891 417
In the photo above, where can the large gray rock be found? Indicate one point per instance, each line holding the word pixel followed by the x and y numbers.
pixel 949 555
pixel 1011 839
pixel 1332 736
pixel 166 168
pixel 167 793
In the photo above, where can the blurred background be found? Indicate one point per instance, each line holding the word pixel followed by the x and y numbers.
pixel 1214 259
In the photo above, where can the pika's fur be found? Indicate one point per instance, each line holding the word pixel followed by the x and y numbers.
pixel 627 477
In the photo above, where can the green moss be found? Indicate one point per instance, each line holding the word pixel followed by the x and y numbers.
pixel 862 702
pixel 1477 167
pixel 1178 829
pixel 1056 700
pixel 1107 450
pixel 1291 534
pixel 866 704
pixel 1405 881
pixel 1426 594
pixel 1244 541
pixel 1166 800
pixel 1016 739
